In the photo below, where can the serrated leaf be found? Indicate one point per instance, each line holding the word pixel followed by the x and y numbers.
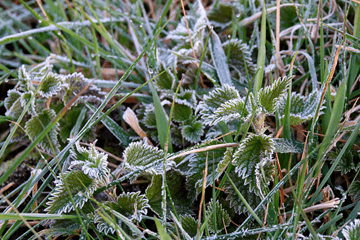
pixel 165 81
pixel 50 85
pixel 38 123
pixel 220 59
pixel 80 186
pixel 235 201
pixel 132 205
pixel 221 216
pixel 254 150
pixel 187 98
pixel 92 162
pixel 238 52
pixel 13 103
pixel 178 193
pixel 302 108
pixel 352 230
pixel 139 154
pixel 63 227
pixel 197 164
pixel 221 14
pixel 213 101
pixel 282 145
pixel 225 161
pixel 270 95
pixel 346 163
pixel 189 224
pixel 230 111
pixel 149 116
pixel 193 131
pixel 354 191
pixel 181 112
pixel 76 82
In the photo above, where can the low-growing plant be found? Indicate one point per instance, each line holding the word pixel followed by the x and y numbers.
pixel 218 144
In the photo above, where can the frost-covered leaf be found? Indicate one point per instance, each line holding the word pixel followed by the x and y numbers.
pixel 80 186
pixel 26 98
pixel 213 101
pixel 149 117
pixel 270 95
pixel 25 80
pixel 233 197
pixel 221 14
pixel 282 145
pixel 132 205
pixel 197 163
pixel 92 162
pixel 230 111
pixel 37 124
pixel 187 98
pixel 178 192
pixel 216 211
pixel 253 151
pixel 181 112
pixel 346 163
pixel 220 60
pixel 225 161
pixel 13 103
pixel 166 81
pixel 193 131
pixel 76 82
pixel 139 154
pixel 354 191
pixel 352 230
pixel 238 53
pixel 50 84
pixel 302 109
pixel 189 224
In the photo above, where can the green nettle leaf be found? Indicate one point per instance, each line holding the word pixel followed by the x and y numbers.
pixel 352 230
pixel 132 205
pixel 13 104
pixel 354 190
pixel 225 161
pixel 213 101
pixel 221 15
pixel 25 80
pixel 92 162
pixel 230 111
pixel 235 202
pixel 26 98
pixel 346 163
pixel 197 164
pixel 302 109
pixel 238 53
pixel 178 192
pixel 76 82
pixel 51 83
pixel 270 95
pixel 252 153
pixel 193 131
pixel 139 154
pixel 165 81
pixel 149 116
pixel 189 224
pixel 187 98
pixel 80 187
pixel 37 124
pixel 181 112
pixel 216 211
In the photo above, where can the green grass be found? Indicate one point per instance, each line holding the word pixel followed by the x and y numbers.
pixel 204 129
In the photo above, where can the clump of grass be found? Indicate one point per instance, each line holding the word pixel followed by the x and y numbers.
pixel 179 120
